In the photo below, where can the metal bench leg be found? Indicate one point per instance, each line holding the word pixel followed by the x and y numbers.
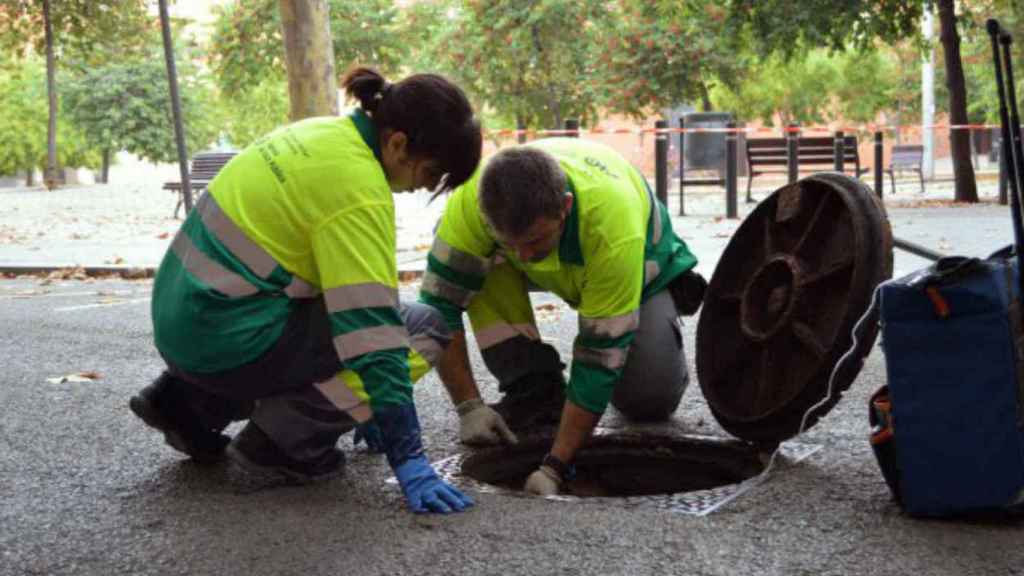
pixel 750 178
pixel 892 178
pixel 920 177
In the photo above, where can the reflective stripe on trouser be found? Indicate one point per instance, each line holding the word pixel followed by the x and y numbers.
pixel 505 329
pixel 307 423
pixel 655 375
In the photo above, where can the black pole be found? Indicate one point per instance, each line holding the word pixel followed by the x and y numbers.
pixel 1015 135
pixel 838 151
pixel 1008 148
pixel 179 128
pixel 661 162
pixel 879 155
pixel 572 125
pixel 682 165
pixel 1003 199
pixel 793 153
pixel 917 249
pixel 731 173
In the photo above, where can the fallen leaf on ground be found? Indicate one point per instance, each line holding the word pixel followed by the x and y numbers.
pixel 546 307
pixel 164 236
pixel 422 247
pixel 75 377
pixel 115 261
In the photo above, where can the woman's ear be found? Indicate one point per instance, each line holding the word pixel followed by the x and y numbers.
pixel 394 144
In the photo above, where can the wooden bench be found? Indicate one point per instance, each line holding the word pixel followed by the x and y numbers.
pixel 202 169
pixel 906 157
pixel 817 151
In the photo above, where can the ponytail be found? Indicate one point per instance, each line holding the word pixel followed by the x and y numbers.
pixel 367 86
pixel 431 111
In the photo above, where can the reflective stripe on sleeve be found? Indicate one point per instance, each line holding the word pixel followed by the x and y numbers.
pixel 612 327
pixel 651 271
pixel 427 347
pixel 208 270
pixel 611 358
pixel 344 399
pixel 459 260
pixel 366 340
pixel 366 295
pixel 498 333
pixel 441 288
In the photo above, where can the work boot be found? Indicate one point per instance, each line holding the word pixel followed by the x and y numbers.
pixel 256 452
pixel 532 401
pixel 162 405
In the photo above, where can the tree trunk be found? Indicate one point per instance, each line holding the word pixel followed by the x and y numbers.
pixel 959 140
pixel 705 97
pixel 521 127
pixel 105 174
pixel 50 178
pixel 30 176
pixel 309 58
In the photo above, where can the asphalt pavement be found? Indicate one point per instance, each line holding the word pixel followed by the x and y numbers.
pixel 85 488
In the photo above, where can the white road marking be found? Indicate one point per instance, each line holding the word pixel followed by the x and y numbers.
pixel 102 304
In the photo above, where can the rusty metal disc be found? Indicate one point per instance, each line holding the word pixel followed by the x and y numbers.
pixel 789 288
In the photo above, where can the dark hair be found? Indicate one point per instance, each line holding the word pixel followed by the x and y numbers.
pixel 432 112
pixel 520 186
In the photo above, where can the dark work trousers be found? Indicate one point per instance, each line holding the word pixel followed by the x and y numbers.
pixel 654 377
pixel 276 391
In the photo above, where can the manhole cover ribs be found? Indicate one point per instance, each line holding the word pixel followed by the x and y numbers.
pixel 793 281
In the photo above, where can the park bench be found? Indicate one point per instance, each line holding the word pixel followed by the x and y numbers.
pixel 906 157
pixel 202 169
pixel 817 151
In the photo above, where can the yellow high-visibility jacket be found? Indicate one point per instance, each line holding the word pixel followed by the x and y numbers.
pixel 617 248
pixel 304 210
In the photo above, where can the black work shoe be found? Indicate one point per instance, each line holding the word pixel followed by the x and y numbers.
pixel 532 401
pixel 254 451
pixel 162 406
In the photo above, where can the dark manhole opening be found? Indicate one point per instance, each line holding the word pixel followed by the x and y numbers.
pixel 621 466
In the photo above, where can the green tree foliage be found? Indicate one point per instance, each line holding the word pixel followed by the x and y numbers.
pixel 794 91
pixel 255 112
pixel 788 28
pixel 247 46
pixel 127 106
pixel 532 62
pixel 84 29
pixel 657 55
pixel 23 123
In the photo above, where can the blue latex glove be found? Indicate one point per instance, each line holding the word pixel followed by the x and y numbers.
pixel 370 433
pixel 424 490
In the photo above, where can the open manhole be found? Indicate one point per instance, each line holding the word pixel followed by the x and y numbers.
pixel 623 465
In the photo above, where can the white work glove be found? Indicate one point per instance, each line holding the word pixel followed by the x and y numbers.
pixel 543 482
pixel 480 424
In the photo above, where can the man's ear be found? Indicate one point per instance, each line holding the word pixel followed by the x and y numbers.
pixel 567 203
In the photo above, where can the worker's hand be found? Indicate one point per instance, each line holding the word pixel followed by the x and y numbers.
pixel 370 433
pixel 480 424
pixel 425 492
pixel 543 482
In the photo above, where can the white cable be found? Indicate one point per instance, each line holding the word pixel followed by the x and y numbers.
pixel 750 483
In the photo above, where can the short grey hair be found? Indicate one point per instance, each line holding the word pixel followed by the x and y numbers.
pixel 520 186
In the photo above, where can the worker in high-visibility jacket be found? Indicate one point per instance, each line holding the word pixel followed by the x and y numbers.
pixel 575 218
pixel 277 301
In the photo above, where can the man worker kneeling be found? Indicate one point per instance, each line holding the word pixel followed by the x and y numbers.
pixel 575 218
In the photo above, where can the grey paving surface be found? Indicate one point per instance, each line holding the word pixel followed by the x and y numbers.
pixel 87 489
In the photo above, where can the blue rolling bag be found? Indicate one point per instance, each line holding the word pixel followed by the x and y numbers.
pixel 948 430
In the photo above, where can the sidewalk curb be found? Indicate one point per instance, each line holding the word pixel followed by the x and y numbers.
pixel 127 272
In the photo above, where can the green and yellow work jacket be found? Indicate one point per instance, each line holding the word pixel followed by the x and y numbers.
pixel 617 248
pixel 304 210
